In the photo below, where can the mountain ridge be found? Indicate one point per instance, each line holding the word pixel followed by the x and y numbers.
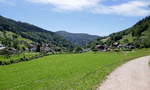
pixel 80 39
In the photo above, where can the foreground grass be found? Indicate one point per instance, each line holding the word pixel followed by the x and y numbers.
pixel 64 72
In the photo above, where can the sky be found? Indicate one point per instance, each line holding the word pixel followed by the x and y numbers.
pixel 97 17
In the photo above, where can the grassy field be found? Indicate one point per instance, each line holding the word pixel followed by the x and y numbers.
pixel 65 71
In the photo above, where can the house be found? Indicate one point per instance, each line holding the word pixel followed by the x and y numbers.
pixel 2 47
pixel 45 49
pixel 116 44
pixel 11 50
pixel 52 51
pixel 127 46
pixel 32 47
pixel 122 46
pixel 101 47
pixel 87 49
pixel 131 47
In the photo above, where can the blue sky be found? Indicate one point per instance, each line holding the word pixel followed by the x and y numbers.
pixel 99 17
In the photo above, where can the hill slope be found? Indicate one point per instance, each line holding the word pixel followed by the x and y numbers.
pixel 33 33
pixel 10 39
pixel 138 35
pixel 80 39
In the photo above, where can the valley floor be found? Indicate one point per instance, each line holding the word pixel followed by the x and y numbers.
pixel 134 75
pixel 66 71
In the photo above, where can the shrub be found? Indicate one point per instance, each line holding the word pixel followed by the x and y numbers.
pixel 78 50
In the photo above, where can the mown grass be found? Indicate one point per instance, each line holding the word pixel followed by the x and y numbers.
pixel 64 72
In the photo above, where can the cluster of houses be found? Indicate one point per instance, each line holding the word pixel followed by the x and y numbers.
pixel 42 48
pixel 31 48
pixel 114 46
pixel 5 49
pixel 46 48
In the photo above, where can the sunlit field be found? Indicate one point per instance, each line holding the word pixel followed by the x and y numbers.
pixel 64 71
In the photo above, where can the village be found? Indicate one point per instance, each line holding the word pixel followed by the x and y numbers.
pixel 46 48
pixel 114 47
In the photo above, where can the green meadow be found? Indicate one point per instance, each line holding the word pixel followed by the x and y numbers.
pixel 64 71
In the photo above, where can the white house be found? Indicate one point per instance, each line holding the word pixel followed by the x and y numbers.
pixel 2 47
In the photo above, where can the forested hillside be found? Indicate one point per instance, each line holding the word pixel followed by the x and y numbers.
pixel 10 39
pixel 138 35
pixel 79 39
pixel 34 33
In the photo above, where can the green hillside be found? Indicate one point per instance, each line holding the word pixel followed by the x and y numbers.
pixel 10 39
pixel 34 33
pixel 79 39
pixel 138 35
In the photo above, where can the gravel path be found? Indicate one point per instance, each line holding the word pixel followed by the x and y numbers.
pixel 134 75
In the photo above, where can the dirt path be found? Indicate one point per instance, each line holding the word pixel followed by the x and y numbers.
pixel 134 75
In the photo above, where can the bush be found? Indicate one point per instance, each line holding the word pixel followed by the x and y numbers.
pixel 78 50
pixel 22 59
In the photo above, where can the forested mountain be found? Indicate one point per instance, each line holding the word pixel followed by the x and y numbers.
pixel 138 35
pixel 34 33
pixel 79 39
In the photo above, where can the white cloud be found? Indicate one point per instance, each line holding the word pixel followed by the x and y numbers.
pixel 130 8
pixel 69 4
